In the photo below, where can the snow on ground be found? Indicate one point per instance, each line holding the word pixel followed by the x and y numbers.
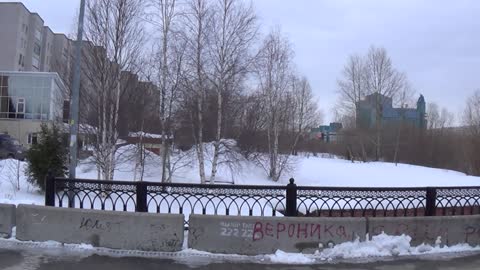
pixel 339 172
pixel 382 245
pixel 309 170
pixel 14 187
pixel 146 135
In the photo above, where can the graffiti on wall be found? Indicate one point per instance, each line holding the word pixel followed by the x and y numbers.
pixel 314 231
pixel 237 229
pixel 281 230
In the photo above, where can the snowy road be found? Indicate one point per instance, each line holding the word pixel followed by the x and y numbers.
pixel 32 260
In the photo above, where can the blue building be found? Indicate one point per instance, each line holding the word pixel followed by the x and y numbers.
pixel 326 133
pixel 366 112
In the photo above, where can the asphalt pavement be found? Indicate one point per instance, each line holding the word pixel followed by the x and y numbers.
pixel 44 260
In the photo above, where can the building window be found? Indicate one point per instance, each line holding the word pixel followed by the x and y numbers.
pixel 20 59
pixel 32 138
pixel 38 34
pixel 66 110
pixel 22 97
pixel 37 49
pixel 20 105
pixel 35 63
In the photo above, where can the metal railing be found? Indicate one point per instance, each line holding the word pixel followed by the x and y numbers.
pixel 244 200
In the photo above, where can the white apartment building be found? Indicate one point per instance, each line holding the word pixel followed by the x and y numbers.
pixel 26 44
pixel 35 64
pixel 31 55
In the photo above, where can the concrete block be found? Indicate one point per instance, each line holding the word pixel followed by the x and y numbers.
pixel 452 230
pixel 7 220
pixel 265 235
pixel 118 230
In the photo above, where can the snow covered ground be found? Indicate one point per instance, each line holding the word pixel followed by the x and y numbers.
pixel 309 170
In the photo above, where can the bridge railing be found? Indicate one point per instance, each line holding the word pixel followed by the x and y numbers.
pixel 253 200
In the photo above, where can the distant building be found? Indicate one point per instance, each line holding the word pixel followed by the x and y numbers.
pixel 328 133
pixel 28 99
pixel 26 43
pixel 151 142
pixel 366 112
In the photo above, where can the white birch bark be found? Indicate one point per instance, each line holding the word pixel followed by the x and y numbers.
pixel 114 39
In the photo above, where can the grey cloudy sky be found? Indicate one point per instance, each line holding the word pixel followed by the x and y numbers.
pixel 435 42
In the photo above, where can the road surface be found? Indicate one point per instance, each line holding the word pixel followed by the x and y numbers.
pixel 44 260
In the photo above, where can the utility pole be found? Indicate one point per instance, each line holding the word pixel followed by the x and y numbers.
pixel 75 95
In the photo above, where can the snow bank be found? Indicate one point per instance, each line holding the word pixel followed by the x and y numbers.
pixel 290 258
pixel 139 134
pixel 384 245
pixel 381 246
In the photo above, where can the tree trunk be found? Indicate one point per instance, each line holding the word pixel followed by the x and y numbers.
pixel 200 152
pixel 397 147
pixel 378 125
pixel 217 137
pixel 163 100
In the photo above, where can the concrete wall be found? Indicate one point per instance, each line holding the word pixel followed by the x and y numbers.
pixel 265 235
pixel 119 230
pixel 452 230
pixel 223 234
pixel 20 128
pixel 7 219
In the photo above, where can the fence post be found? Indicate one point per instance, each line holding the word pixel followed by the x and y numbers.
pixel 50 189
pixel 141 197
pixel 431 200
pixel 291 206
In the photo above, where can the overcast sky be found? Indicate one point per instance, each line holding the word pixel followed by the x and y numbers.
pixel 435 42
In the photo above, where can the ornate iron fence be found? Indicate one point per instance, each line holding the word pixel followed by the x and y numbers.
pixel 355 202
pixel 457 201
pixel 288 200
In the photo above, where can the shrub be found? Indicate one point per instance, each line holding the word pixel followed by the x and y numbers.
pixel 49 154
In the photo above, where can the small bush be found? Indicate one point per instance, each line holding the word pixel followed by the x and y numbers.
pixel 50 153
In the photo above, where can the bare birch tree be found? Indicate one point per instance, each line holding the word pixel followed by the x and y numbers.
pixel 383 80
pixel 304 109
pixel 351 86
pixel 438 118
pixel 471 120
pixel 234 30
pixel 471 116
pixel 273 69
pixel 169 61
pixel 197 30
pixel 114 30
